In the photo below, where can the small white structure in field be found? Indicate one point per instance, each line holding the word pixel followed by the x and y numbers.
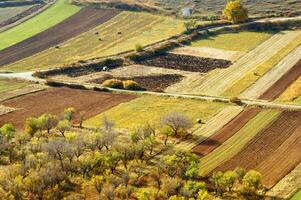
pixel 186 12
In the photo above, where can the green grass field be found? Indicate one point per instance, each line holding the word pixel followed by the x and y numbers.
pixel 48 18
pixel 233 145
pixel 241 41
pixel 151 108
pixel 135 28
pixel 7 85
pixel 9 12
pixel 296 196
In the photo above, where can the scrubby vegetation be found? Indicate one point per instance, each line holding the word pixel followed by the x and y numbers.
pixel 118 84
pixel 54 158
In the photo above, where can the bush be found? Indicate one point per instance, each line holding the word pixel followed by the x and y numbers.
pixel 131 85
pixel 235 100
pixel 113 83
pixel 139 47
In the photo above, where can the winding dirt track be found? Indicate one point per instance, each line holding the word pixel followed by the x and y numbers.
pixel 84 20
pixel 226 132
pixel 282 84
pixel 55 100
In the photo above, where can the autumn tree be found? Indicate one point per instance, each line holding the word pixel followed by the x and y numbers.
pixel 178 123
pixel 235 12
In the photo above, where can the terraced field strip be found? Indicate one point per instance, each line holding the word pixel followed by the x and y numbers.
pixel 265 143
pixel 237 142
pixel 273 83
pixel 56 100
pixel 58 12
pixel 283 160
pixel 292 92
pixel 277 65
pixel 219 120
pixel 283 83
pixel 226 132
pixel 150 109
pixel 287 186
pixel 216 83
pixel 7 85
pixel 119 34
pixel 84 20
pixel 296 196
pixel 243 41
pixel 5 109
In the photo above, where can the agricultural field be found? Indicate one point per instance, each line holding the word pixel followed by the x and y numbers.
pixel 133 103
pixel 82 21
pixel 7 85
pixel 56 100
pixel 119 34
pixel 243 41
pixel 237 142
pixel 9 12
pixel 296 196
pixel 50 17
pixel 149 109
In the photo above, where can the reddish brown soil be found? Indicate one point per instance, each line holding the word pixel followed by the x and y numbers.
pixel 155 83
pixel 226 132
pixel 186 63
pixel 265 144
pixel 84 20
pixel 282 161
pixel 56 100
pixel 282 84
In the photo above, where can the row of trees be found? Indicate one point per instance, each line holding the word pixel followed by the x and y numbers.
pixel 51 162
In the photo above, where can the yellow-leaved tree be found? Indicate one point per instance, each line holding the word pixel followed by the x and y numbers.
pixel 235 12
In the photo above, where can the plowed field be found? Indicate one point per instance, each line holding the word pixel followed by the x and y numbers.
pixel 267 144
pixel 84 20
pixel 56 100
pixel 226 132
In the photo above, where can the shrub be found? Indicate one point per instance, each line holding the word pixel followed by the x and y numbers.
pixel 139 47
pixel 235 12
pixel 235 100
pixel 113 83
pixel 131 85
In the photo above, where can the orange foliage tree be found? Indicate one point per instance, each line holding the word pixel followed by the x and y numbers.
pixel 235 12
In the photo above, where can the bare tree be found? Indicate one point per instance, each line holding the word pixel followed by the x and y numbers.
pixel 177 122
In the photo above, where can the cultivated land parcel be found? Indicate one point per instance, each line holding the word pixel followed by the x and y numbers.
pixel 235 94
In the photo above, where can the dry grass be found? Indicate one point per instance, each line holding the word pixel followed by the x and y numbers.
pixel 119 34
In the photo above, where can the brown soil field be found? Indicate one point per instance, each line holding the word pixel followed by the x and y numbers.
pixel 282 84
pixel 186 63
pixel 84 20
pixel 155 83
pixel 266 144
pixel 55 100
pixel 283 160
pixel 226 132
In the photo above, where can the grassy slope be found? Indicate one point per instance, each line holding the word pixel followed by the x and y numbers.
pixel 9 12
pixel 136 28
pixel 241 41
pixel 296 196
pixel 150 109
pixel 251 77
pixel 50 17
pixel 233 145
pixel 7 85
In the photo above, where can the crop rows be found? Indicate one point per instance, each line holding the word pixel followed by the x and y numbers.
pixel 234 144
pixel 119 34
